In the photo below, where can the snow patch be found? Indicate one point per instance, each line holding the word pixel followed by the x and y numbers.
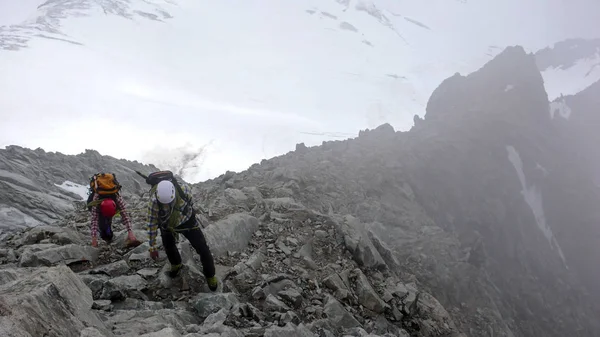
pixel 533 197
pixel 561 107
pixel 509 87
pixel 569 81
pixel 78 189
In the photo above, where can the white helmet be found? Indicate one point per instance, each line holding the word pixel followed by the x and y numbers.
pixel 165 192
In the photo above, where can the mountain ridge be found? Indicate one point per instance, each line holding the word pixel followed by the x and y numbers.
pixel 272 91
pixel 480 205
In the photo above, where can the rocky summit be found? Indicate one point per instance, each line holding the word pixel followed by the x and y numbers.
pixel 482 220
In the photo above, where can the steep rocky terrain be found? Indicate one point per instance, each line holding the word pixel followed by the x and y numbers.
pixel 480 221
pixel 483 201
pixel 36 187
pixel 285 269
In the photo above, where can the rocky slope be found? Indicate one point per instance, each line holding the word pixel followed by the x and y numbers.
pixel 285 269
pixel 38 187
pixel 480 221
pixel 483 201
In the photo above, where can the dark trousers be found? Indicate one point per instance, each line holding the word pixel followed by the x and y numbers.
pixel 105 227
pixel 194 235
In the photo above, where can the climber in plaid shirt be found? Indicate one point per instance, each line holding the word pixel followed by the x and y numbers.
pixel 102 212
pixel 172 214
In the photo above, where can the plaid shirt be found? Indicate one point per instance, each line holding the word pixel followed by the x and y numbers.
pixel 154 220
pixel 122 209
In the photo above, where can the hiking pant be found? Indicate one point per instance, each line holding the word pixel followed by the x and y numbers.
pixel 194 235
pixel 105 227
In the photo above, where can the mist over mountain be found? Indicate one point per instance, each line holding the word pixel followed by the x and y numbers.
pixel 358 169
pixel 216 76
pixel 485 211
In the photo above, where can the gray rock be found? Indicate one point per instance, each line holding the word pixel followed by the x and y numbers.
pixel 335 283
pixel 385 252
pixel 57 235
pixel 292 295
pixel 357 241
pixel 113 269
pixel 166 332
pixel 256 259
pixel 105 305
pixel 120 237
pixel 230 234
pixel 235 196
pixel 95 283
pixel 60 302
pixel 11 274
pixel 7 255
pixel 139 322
pixel 338 315
pixel 289 330
pixel 271 303
pixel 321 234
pixel 124 286
pixel 209 303
pixel 58 255
pixel 147 272
pixel 136 304
pixel 91 332
pixel 140 253
pixel 274 288
pixel 284 248
pixel 439 321
pixel 214 322
pixel 366 294
pixel 289 317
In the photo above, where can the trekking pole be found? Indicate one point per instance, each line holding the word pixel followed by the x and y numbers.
pixel 141 175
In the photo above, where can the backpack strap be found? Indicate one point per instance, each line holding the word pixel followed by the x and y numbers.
pixel 182 195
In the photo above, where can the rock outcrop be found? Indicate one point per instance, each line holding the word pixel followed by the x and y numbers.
pixel 480 221
pixel 38 187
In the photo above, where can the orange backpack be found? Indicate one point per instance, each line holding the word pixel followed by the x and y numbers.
pixel 104 184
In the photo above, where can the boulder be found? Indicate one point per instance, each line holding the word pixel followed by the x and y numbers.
pixel 357 241
pixel 366 294
pixel 138 322
pixel 230 234
pixel 55 234
pixel 67 255
pixel 206 304
pixel 47 302
pixel 124 286
pixel 338 315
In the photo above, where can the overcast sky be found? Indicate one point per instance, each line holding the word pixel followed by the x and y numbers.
pixel 220 76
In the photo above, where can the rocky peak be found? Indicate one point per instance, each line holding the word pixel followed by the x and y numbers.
pixel 509 88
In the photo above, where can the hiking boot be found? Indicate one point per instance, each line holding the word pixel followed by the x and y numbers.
pixel 213 283
pixel 175 270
